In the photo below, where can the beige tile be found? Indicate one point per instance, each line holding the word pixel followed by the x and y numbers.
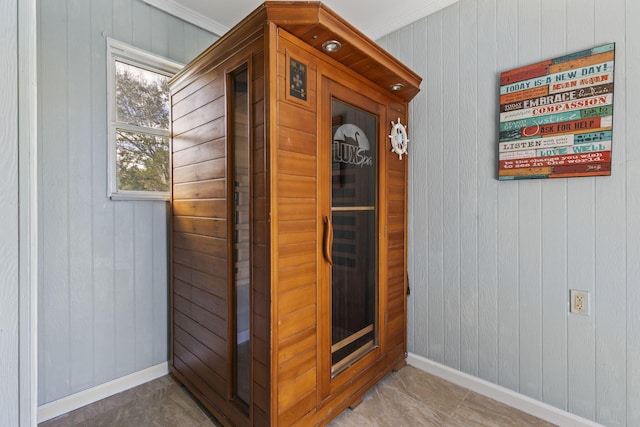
pixel 404 398
pixel 65 420
pixel 441 395
pixel 408 397
pixel 167 407
pixel 478 410
pixel 161 402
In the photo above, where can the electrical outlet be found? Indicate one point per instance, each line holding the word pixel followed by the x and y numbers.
pixel 579 302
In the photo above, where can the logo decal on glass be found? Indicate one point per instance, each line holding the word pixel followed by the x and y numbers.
pixel 351 145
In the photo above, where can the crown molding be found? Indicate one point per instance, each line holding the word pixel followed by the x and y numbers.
pixel 189 15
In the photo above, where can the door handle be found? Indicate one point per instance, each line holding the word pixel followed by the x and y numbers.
pixel 327 239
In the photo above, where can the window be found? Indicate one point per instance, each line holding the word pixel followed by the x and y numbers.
pixel 139 120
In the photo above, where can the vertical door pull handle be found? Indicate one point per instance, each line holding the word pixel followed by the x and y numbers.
pixel 327 239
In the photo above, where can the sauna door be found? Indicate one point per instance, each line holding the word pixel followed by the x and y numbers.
pixel 351 227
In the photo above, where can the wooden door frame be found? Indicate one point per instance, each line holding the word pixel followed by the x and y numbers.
pixel 347 91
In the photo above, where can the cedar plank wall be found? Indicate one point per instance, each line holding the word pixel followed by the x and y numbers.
pixel 295 286
pixel 260 326
pixel 396 170
pixel 201 293
pixel 296 240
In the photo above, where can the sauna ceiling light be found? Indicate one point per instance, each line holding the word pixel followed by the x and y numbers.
pixel 396 86
pixel 331 46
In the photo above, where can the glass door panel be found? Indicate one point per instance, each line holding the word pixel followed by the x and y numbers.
pixel 240 173
pixel 354 248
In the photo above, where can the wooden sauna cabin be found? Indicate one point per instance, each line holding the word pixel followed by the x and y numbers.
pixel 289 223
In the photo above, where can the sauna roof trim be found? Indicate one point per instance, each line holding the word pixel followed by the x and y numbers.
pixel 314 23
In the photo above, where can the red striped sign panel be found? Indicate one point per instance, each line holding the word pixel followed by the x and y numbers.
pixel 556 117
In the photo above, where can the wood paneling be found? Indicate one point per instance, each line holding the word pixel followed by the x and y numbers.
pixel 103 276
pixel 214 227
pixel 55 368
pixel 451 203
pixel 201 315
pixel 10 377
pixel 115 19
pixel 633 211
pixel 609 308
pixel 285 195
pixel 199 116
pixel 206 208
pixel 314 24
pixel 212 169
pixel 205 93
pixel 508 275
pixel 209 131
pixel 435 195
pixel 200 153
pixel 200 250
pixel 468 95
pixel 520 246
pixel 530 231
pixel 554 246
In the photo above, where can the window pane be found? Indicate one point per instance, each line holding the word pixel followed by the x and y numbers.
pixel 241 147
pixel 142 97
pixel 143 161
pixel 353 214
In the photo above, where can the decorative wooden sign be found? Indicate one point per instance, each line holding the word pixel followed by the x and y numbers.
pixel 556 117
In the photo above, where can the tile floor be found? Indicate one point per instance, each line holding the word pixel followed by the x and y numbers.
pixel 408 397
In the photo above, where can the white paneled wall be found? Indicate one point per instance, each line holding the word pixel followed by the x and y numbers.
pixel 103 265
pixel 9 244
pixel 491 263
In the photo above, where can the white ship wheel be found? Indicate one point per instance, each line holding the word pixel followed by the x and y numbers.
pixel 398 138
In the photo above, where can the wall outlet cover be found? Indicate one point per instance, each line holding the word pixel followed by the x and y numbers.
pixel 579 302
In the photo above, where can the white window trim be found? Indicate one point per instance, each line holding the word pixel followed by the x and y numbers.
pixel 131 55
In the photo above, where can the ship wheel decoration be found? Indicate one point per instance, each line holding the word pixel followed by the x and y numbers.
pixel 399 138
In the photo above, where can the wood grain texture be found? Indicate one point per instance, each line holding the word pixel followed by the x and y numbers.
pixel 100 282
pixel 202 264
pixel 285 192
pixel 9 238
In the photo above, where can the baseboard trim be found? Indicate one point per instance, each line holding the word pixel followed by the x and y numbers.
pixel 501 394
pixel 91 395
